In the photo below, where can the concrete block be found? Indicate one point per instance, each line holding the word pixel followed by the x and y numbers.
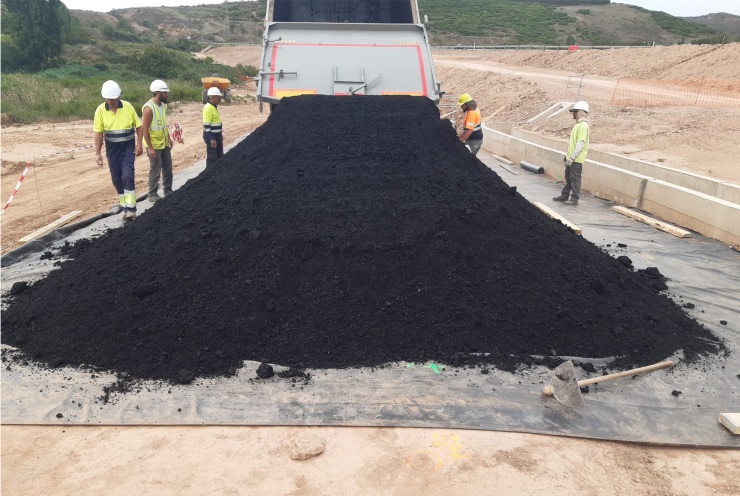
pixel 731 421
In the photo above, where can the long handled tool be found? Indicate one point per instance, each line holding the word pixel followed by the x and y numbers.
pixel 567 389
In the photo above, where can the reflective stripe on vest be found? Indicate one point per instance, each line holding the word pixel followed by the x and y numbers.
pixel 129 199
pixel 211 120
pixel 119 135
pixel 158 127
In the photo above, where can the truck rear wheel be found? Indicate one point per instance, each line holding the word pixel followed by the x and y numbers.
pixel 205 96
pixel 227 96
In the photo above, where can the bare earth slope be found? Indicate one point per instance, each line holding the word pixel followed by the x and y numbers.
pixel 696 139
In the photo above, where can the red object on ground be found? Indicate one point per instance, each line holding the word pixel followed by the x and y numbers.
pixel 177 134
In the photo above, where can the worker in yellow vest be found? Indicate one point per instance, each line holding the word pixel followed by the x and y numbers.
pixel 158 140
pixel 212 134
pixel 576 155
pixel 117 123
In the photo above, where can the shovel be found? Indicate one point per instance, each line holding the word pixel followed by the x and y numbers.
pixel 567 389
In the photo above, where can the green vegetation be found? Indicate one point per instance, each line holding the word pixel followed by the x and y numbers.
pixel 680 26
pixel 73 91
pixel 519 22
pixel 32 33
pixel 61 79
pixel 583 11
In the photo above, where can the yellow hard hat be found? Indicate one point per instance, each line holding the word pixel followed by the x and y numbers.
pixel 464 98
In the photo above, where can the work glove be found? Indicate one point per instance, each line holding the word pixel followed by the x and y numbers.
pixel 568 161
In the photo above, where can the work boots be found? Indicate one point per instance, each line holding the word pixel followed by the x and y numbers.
pixel 571 202
pixel 560 198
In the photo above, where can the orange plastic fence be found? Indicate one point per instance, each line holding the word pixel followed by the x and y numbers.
pixel 704 92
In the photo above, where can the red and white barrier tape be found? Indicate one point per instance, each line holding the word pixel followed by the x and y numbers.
pixel 17 187
pixel 177 135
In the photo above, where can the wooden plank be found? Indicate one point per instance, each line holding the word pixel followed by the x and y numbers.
pixel 731 421
pixel 494 114
pixel 658 224
pixel 502 159
pixel 551 213
pixel 50 227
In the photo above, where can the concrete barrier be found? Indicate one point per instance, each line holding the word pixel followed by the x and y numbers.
pixel 710 186
pixel 704 212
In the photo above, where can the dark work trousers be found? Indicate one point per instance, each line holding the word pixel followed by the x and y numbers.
pixel 214 153
pixel 121 164
pixel 572 181
pixel 474 146
pixel 160 162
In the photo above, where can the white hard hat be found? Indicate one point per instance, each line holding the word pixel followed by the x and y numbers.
pixel 158 85
pixel 213 91
pixel 110 90
pixel 580 106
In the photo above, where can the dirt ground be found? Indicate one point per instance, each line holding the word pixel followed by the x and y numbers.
pixel 245 460
pixel 230 460
pixel 56 185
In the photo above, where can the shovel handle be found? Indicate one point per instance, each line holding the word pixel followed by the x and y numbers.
pixel 625 373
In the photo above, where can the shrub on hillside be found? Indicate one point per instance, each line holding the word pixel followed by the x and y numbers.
pixel 158 61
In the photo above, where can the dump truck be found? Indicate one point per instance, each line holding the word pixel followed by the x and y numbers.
pixel 345 47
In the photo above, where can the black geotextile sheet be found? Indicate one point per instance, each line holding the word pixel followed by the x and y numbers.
pixel 679 406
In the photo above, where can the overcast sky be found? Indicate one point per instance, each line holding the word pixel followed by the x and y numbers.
pixel 680 8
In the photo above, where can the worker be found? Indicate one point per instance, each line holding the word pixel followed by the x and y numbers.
pixel 472 134
pixel 576 155
pixel 212 127
pixel 158 140
pixel 116 121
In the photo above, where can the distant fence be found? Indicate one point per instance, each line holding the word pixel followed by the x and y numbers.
pixel 704 92
pixel 536 47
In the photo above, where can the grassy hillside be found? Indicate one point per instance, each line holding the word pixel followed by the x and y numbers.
pixel 720 22
pixel 553 22
pixel 459 21
pixel 130 48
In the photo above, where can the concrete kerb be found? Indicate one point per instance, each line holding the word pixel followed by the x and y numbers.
pixel 684 206
pixel 697 182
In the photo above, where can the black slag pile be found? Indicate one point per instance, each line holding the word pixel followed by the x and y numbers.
pixel 346 231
